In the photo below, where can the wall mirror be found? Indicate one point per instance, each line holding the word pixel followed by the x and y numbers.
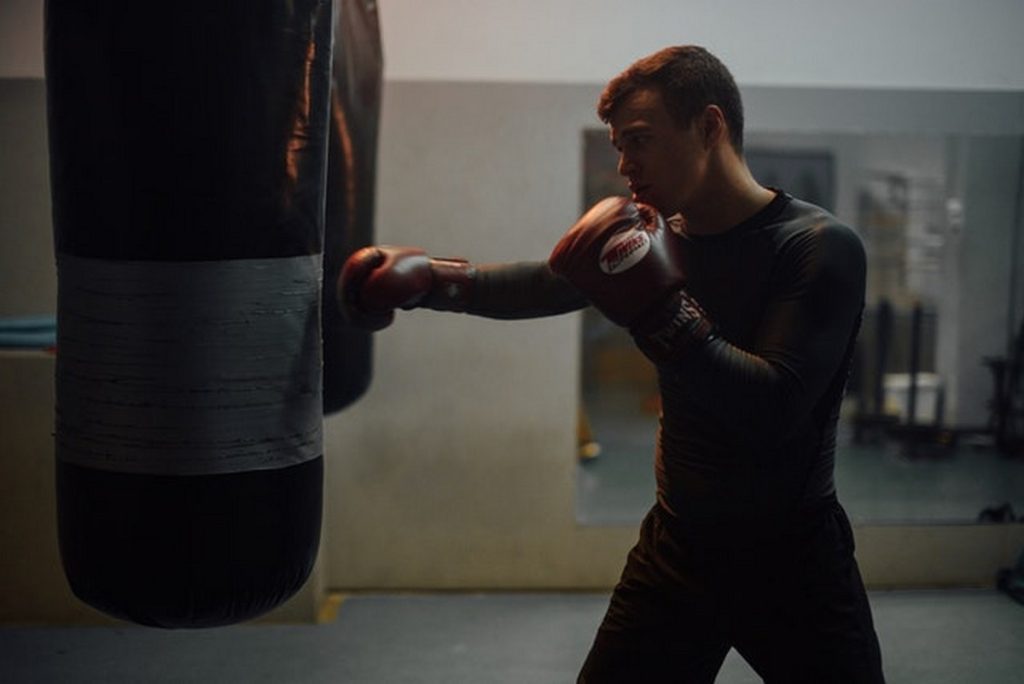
pixel 931 427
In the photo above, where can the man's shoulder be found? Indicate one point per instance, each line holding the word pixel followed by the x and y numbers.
pixel 809 239
pixel 802 220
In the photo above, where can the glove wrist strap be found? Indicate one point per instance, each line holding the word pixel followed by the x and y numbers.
pixel 677 326
pixel 453 285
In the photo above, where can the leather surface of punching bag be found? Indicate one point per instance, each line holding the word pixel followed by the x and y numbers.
pixel 351 174
pixel 187 155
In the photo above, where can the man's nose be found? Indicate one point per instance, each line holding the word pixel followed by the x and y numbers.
pixel 625 165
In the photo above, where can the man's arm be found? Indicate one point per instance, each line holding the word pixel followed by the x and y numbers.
pixel 377 280
pixel 799 349
pixel 528 289
pixel 619 255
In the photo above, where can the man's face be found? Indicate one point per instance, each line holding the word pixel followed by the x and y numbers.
pixel 663 162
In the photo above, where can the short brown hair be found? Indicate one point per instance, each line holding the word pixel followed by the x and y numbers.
pixel 689 79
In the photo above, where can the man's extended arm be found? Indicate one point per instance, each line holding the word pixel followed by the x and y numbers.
pixel 377 280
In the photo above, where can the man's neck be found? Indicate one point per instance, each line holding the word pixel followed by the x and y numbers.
pixel 728 202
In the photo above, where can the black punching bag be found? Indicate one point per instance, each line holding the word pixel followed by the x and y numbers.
pixel 188 154
pixel 351 174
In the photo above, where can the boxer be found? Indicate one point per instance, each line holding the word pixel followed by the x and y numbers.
pixel 749 306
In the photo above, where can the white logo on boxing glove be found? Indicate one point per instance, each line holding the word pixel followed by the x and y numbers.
pixel 624 250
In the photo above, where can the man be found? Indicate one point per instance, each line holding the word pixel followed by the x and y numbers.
pixel 748 301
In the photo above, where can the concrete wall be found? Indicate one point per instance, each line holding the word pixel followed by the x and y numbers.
pixel 28 273
pixel 945 44
pixel 459 462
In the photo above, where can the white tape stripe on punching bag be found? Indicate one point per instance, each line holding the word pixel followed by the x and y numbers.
pixel 186 368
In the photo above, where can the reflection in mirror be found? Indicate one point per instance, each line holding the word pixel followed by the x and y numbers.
pixel 932 428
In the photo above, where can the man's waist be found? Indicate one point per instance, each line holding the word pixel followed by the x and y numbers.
pixel 741 522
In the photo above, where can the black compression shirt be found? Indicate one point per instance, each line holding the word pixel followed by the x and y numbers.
pixel 748 424
pixel 748 421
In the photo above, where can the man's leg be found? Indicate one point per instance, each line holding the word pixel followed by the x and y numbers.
pixel 656 629
pixel 808 618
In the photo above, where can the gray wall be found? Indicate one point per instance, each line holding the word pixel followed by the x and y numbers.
pixel 457 468
pixel 933 44
pixel 28 275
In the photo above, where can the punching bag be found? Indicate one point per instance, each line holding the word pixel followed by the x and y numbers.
pixel 351 174
pixel 188 155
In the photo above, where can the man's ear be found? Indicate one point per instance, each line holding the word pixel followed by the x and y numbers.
pixel 713 126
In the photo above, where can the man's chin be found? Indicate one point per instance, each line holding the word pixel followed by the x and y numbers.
pixel 644 196
pixel 663 208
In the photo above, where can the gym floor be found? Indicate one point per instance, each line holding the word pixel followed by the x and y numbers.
pixel 927 637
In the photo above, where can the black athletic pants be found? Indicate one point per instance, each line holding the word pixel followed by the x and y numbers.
pixel 792 604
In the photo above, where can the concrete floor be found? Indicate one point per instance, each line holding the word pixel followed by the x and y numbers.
pixel 928 637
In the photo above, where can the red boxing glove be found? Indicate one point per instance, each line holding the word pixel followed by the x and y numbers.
pixel 377 280
pixel 619 257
